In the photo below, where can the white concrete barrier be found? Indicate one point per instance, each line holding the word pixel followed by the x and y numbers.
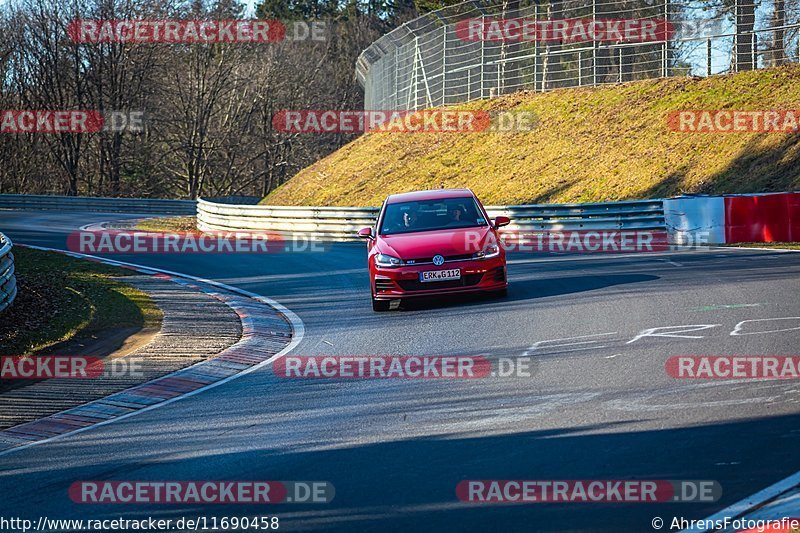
pixel 694 220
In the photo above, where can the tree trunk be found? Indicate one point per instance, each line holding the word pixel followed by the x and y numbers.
pixel 745 38
pixel 779 34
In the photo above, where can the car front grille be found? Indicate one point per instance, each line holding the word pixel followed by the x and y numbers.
pixel 447 259
pixel 416 285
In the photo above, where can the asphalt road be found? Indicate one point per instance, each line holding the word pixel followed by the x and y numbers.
pixel 396 449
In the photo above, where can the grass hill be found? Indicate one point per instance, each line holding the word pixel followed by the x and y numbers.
pixel 594 144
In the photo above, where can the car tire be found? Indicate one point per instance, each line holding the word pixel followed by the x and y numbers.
pixel 380 305
pixel 502 293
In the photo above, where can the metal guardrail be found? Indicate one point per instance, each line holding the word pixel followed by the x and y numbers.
pixel 330 223
pixel 8 282
pixel 633 215
pixel 341 223
pixel 156 206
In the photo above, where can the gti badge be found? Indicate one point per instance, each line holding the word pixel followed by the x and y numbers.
pixel 438 260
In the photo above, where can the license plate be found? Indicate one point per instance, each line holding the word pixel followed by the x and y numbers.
pixel 440 275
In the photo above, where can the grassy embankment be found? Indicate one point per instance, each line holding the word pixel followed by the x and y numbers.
pixel 61 298
pixel 608 143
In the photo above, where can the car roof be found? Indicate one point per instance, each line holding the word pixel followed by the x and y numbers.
pixel 434 194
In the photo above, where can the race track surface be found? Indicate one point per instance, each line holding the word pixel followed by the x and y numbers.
pixel 597 407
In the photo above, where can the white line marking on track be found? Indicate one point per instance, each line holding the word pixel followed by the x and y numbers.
pixel 747 248
pixel 298 331
pixel 536 345
pixel 737 330
pixel 654 332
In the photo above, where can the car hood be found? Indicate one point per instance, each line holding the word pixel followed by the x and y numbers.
pixel 444 242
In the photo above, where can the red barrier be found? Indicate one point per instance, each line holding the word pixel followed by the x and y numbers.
pixel 793 206
pixel 762 218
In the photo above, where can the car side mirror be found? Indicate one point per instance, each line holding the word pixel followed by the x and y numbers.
pixel 499 222
pixel 365 233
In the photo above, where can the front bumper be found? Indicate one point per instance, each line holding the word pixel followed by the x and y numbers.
pixel 403 282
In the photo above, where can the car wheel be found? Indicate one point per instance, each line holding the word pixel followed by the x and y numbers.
pixel 380 305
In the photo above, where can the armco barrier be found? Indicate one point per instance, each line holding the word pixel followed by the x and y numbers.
pixel 8 282
pixel 630 215
pixel 150 206
pixel 341 223
pixel 688 219
pixel 238 213
pixel 762 218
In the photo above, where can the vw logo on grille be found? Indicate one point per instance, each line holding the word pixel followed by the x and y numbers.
pixel 438 260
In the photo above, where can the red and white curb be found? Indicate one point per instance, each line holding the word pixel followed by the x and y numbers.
pixel 269 331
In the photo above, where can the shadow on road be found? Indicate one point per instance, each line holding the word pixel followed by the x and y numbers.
pixel 408 484
pixel 528 289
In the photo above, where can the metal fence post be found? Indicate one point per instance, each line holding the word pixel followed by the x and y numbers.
pixel 483 48
pixel 594 44
pixel 396 99
pixel 444 66
pixel 535 51
pixel 665 51
pixel 736 36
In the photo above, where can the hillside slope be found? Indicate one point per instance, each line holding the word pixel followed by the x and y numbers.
pixel 608 143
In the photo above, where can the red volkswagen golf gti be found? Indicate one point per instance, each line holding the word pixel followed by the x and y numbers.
pixel 436 242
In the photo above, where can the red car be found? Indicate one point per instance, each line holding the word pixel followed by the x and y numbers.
pixel 429 243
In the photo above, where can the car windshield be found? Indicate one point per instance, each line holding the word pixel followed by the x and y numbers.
pixel 428 215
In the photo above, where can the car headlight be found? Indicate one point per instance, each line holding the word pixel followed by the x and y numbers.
pixel 489 251
pixel 387 261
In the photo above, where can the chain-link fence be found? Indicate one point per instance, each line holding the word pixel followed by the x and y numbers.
pixel 480 48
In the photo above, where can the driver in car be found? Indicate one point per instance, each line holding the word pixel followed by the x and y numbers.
pixel 410 218
pixel 456 215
